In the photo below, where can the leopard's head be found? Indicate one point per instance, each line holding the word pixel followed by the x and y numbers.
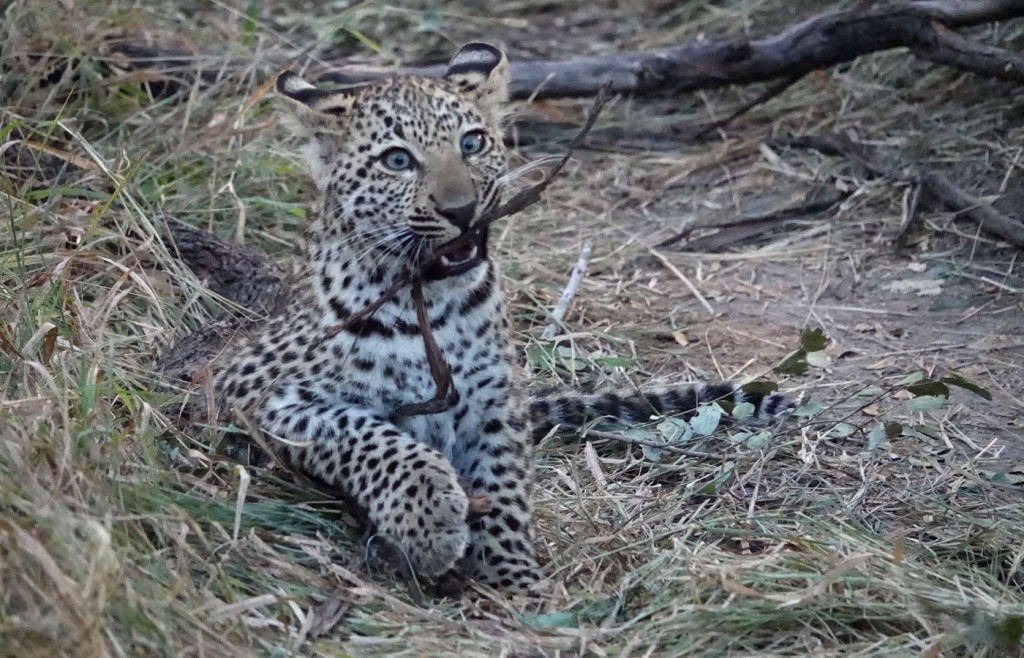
pixel 403 165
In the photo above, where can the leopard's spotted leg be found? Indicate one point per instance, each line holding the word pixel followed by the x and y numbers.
pixel 496 463
pixel 410 493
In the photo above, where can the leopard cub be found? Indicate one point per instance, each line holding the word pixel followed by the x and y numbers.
pixel 402 166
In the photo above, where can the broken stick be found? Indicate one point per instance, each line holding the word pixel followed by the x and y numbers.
pixel 558 313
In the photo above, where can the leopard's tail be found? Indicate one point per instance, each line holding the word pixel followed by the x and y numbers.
pixel 570 411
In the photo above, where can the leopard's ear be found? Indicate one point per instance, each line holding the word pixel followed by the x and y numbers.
pixel 336 102
pixel 481 71
pixel 321 117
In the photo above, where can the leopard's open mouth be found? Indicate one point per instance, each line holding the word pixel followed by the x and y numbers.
pixel 460 260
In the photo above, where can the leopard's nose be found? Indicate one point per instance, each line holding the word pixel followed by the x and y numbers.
pixel 460 216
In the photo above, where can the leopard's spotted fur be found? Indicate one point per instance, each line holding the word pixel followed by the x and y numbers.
pixel 401 166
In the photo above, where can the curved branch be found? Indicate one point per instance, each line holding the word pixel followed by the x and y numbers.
pixel 818 42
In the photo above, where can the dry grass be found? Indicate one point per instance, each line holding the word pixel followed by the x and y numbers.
pixel 819 538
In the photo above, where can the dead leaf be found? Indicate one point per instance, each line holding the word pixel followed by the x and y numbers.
pixel 328 614
pixel 872 410
pixel 41 278
pixel 898 548
pixel 733 587
pixel 882 364
pixel 818 359
pixel 49 342
pixel 594 464
pixel 919 287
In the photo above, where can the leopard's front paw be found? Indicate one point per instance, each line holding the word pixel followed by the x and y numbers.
pixel 427 519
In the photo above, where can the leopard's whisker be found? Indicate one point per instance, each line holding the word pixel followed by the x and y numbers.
pixel 380 243
pixel 519 172
pixel 364 242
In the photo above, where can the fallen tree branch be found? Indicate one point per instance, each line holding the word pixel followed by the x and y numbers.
pixel 954 50
pixel 240 273
pixel 936 188
pixel 818 42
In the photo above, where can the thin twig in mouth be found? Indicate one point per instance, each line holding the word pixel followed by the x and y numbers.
pixel 445 395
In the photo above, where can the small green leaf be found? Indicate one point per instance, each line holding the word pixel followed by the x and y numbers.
pixel 650 442
pixel 559 619
pixel 926 403
pixel 724 474
pixel 929 387
pixel 813 340
pixel 760 440
pixel 760 387
pixel 912 378
pixel 818 359
pixel 809 409
pixel 742 410
pixel 960 381
pixel 653 454
pixel 1009 632
pixel 842 430
pixel 922 432
pixel 540 355
pixel 893 430
pixel 707 419
pixel 875 438
pixel 795 363
pixel 1009 479
pixel 595 612
pixel 675 430
pixel 615 362
pixel 249 22
pixel 570 358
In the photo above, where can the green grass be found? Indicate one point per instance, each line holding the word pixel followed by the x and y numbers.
pixel 121 537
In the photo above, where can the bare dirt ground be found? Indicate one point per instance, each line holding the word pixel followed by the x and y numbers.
pixel 121 536
pixel 950 300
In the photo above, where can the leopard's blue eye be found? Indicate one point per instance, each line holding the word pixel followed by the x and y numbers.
pixel 473 142
pixel 397 159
